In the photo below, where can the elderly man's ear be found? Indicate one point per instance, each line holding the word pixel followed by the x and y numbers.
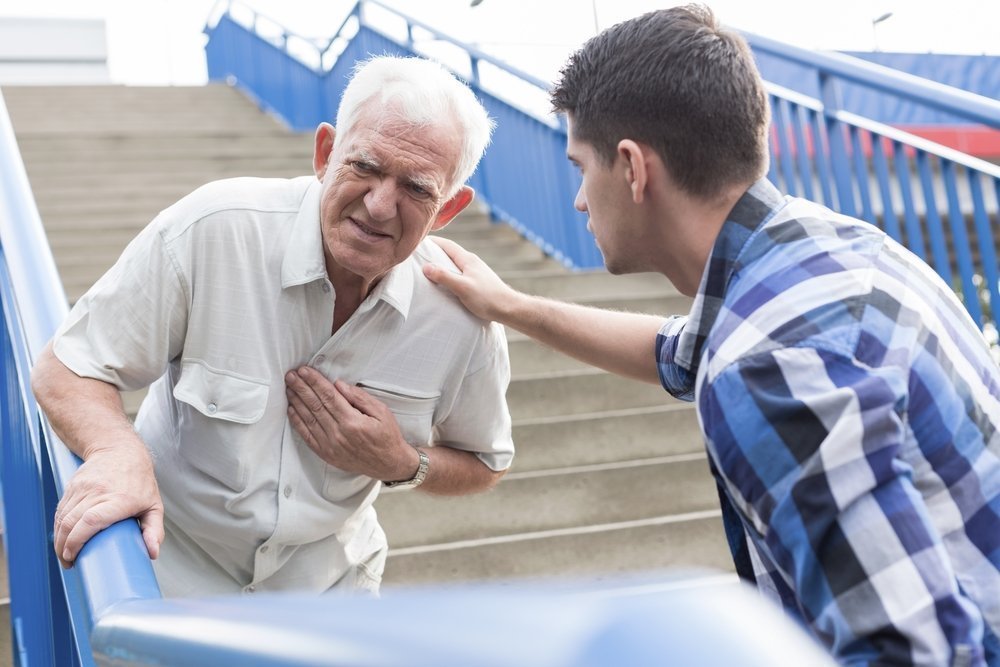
pixel 453 207
pixel 323 146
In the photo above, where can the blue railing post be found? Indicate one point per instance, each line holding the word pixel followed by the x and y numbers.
pixel 830 96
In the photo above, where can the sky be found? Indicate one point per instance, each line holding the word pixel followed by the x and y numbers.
pixel 161 42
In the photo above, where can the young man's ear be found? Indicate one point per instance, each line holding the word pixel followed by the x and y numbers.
pixel 636 172
pixel 453 207
pixel 322 148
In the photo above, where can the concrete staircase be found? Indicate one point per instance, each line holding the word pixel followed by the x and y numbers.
pixel 610 475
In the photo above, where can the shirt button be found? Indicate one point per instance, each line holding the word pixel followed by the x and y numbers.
pixel 250 589
pixel 263 549
pixel 326 288
pixel 287 491
pixel 212 408
pixel 319 359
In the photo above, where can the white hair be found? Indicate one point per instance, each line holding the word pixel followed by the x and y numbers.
pixel 424 93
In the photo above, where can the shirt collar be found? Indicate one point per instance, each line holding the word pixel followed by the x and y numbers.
pixel 304 260
pixel 757 205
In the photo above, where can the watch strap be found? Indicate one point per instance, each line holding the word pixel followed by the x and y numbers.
pixel 417 478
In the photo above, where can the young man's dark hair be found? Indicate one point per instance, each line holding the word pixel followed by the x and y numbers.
pixel 702 79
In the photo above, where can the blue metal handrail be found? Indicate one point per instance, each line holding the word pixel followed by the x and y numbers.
pixel 911 188
pixel 47 602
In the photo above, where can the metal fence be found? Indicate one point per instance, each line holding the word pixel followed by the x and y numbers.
pixel 938 202
pixel 941 204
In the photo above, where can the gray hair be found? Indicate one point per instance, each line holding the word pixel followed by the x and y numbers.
pixel 424 93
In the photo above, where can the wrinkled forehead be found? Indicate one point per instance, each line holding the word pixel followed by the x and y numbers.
pixel 386 134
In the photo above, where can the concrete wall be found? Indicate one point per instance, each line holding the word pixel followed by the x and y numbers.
pixel 53 51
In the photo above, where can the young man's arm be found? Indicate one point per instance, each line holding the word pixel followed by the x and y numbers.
pixel 619 342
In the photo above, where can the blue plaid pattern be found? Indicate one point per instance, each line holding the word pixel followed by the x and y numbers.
pixel 850 409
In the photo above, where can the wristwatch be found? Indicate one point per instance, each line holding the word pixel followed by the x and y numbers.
pixel 417 479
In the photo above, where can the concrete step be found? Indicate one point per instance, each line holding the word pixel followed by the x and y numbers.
pixel 592 284
pixel 537 501
pixel 6 639
pixel 110 110
pixel 47 149
pixel 614 436
pixel 578 392
pixel 675 542
pixel 213 167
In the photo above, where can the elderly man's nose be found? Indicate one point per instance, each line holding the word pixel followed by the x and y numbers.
pixel 381 200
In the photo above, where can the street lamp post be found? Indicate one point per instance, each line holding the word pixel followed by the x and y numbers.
pixel 875 22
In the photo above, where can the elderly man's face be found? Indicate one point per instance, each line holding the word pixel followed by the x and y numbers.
pixel 384 188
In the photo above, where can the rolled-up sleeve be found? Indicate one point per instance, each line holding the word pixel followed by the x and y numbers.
pixel 678 381
pixel 479 422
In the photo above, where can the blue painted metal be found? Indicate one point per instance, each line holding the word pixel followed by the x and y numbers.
pixel 54 609
pixel 986 243
pixel 963 254
pixel 549 626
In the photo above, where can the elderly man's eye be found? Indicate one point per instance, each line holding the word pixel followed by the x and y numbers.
pixel 418 190
pixel 362 166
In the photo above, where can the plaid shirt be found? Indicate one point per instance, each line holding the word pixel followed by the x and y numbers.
pixel 851 412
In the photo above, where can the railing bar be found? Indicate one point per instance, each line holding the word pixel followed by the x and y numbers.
pixel 802 150
pixel 939 247
pixel 772 140
pixel 780 120
pixel 896 134
pixel 987 249
pixel 822 153
pixel 841 168
pixel 914 236
pixel 481 55
pixel 889 222
pixel 861 175
pixel 960 239
pixel 885 79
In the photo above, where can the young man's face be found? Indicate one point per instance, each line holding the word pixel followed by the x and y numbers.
pixel 605 197
pixel 384 188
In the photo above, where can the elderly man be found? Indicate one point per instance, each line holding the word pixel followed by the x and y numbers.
pixel 850 406
pixel 299 359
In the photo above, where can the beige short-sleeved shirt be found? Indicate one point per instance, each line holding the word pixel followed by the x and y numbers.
pixel 220 296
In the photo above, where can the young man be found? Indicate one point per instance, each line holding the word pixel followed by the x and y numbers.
pixel 850 407
pixel 298 357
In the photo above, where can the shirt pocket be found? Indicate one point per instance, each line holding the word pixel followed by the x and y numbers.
pixel 413 409
pixel 218 408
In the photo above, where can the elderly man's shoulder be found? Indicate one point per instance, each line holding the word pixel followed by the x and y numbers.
pixel 429 252
pixel 238 195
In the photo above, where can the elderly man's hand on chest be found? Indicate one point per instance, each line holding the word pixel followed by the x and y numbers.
pixel 347 427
